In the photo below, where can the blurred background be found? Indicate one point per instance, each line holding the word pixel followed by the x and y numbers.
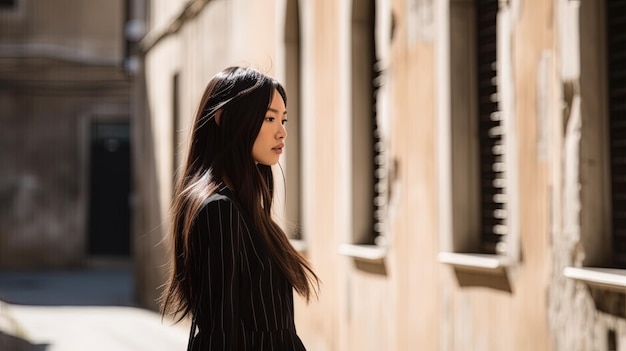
pixel 455 169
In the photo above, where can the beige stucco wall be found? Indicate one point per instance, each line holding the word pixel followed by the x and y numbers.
pixel 410 300
pixel 485 318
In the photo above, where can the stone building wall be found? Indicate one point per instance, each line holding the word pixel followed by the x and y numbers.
pixel 58 74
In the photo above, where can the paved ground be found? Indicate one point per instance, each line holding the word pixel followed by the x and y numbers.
pixel 80 310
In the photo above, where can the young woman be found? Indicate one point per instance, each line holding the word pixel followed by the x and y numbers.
pixel 234 269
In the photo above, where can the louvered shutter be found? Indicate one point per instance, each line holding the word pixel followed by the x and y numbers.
pixel 380 174
pixel 616 38
pixel 492 172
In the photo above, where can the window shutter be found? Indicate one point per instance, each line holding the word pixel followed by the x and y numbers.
pixel 380 173
pixel 492 172
pixel 616 43
pixel 379 166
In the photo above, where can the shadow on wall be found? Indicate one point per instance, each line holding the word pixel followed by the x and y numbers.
pixel 497 280
pixel 149 228
pixel 14 343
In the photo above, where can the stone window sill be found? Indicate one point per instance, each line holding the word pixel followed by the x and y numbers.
pixel 611 278
pixel 475 261
pixel 363 252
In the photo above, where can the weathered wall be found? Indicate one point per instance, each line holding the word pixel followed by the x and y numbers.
pixel 44 195
pixel 582 316
pixel 57 74
pixel 408 300
pixel 413 274
pixel 93 32
pixel 480 315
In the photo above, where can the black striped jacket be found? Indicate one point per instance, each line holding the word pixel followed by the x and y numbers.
pixel 245 302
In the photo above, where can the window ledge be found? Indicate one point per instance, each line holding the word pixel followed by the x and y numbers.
pixel 475 261
pixel 604 277
pixel 299 244
pixel 364 252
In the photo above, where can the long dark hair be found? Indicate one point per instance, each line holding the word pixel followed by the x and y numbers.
pixel 222 151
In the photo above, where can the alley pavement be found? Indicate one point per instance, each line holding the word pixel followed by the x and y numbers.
pixel 78 311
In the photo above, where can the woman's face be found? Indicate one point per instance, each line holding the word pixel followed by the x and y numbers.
pixel 269 143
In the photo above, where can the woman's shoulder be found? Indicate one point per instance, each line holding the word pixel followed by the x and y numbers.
pixel 220 198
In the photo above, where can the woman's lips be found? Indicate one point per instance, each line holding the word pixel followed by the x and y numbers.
pixel 278 149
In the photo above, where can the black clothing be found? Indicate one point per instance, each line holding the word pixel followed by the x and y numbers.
pixel 245 301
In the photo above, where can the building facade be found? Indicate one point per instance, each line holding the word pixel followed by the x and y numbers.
pixel 454 172
pixel 65 138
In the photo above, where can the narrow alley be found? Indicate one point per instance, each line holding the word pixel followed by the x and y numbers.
pixel 80 310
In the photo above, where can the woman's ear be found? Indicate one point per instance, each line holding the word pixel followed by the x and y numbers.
pixel 218 116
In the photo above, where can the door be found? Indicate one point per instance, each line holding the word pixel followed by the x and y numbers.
pixel 110 179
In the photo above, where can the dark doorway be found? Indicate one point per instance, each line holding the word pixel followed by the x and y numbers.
pixel 110 173
pixel 7 4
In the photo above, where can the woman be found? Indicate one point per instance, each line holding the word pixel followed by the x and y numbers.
pixel 234 269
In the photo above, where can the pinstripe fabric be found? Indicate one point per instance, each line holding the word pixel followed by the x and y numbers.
pixel 245 302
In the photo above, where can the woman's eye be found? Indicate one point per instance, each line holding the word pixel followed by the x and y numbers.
pixel 270 119
pixel 284 121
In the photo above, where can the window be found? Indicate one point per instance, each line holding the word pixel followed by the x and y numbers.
pixel 363 119
pixel 368 164
pixel 293 208
pixel 602 145
pixel 490 133
pixel 616 45
pixel 477 166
